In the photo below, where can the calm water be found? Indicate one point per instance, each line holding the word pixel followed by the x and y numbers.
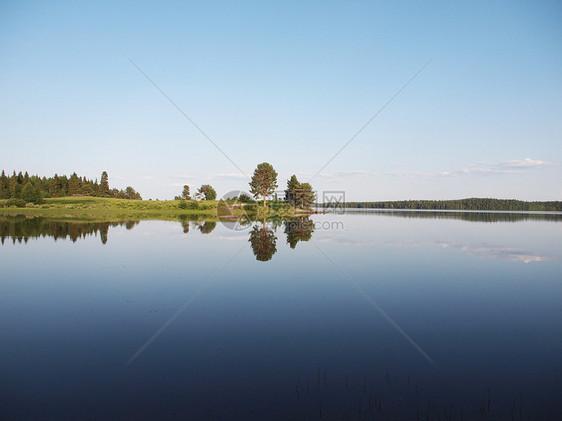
pixel 373 315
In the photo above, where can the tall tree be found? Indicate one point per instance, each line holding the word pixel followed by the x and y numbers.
pixel 185 193
pixel 291 192
pixel 264 181
pixel 104 185
pixel 4 186
pixel 74 185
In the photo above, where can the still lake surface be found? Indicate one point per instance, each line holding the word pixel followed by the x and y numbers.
pixel 362 315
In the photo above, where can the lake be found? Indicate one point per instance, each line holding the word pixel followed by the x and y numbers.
pixel 362 315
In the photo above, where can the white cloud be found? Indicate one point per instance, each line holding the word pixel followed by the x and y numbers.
pixel 210 176
pixel 516 166
pixel 355 172
pixel 230 175
pixel 517 163
pixel 339 174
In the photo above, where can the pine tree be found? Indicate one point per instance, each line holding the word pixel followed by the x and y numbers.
pixel 74 185
pixel 305 196
pixel 4 186
pixel 264 181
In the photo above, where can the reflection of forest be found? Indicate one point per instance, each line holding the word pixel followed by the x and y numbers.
pixel 21 229
pixel 470 216
pixel 262 236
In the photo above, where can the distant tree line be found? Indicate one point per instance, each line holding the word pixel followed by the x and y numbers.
pixel 462 204
pixel 26 188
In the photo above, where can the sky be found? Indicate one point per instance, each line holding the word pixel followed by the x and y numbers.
pixel 379 100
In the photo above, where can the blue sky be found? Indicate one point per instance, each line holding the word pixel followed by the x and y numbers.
pixel 288 83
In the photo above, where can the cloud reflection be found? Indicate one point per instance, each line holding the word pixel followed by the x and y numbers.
pixel 512 254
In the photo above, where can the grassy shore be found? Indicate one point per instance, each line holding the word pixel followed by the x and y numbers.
pixel 110 209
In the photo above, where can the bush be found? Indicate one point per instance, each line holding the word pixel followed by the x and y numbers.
pixel 31 193
pixel 18 203
pixel 244 198
pixel 182 204
pixel 250 207
pixel 276 204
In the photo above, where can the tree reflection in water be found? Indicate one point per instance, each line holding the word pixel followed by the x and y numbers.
pixel 21 228
pixel 206 227
pixel 298 229
pixel 263 241
pixel 262 236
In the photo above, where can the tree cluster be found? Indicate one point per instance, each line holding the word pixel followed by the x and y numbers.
pixel 299 194
pixel 205 192
pixel 34 188
pixel 264 183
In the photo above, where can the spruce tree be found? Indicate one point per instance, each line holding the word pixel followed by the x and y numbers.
pixel 104 185
pixel 293 186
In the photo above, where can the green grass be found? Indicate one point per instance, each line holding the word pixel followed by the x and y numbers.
pixel 110 209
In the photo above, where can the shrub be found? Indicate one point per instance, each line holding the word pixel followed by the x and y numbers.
pixel 244 198
pixel 18 203
pixel 31 193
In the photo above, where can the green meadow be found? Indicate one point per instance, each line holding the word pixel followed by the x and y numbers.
pixel 111 209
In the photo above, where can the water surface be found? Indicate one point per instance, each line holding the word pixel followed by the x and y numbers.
pixel 393 315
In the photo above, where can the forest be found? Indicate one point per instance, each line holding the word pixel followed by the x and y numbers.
pixel 462 204
pixel 26 188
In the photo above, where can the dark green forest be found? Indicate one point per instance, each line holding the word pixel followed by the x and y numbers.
pixel 26 188
pixel 462 204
